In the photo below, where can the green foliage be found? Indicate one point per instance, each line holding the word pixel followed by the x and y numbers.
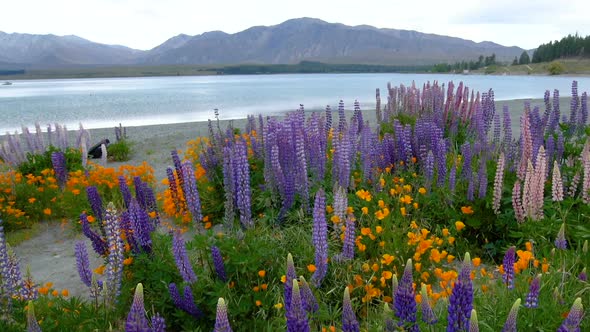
pixel 38 162
pixel 555 68
pixel 524 58
pixel 119 151
pixel 570 46
pixel 491 69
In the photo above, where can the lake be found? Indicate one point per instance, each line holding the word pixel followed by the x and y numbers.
pixel 106 102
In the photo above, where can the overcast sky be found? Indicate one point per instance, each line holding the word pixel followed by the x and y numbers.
pixel 144 24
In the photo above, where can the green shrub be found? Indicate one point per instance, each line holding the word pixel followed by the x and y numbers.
pixel 119 151
pixel 555 68
pixel 38 162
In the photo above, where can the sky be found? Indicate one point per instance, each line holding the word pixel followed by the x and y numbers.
pixel 144 24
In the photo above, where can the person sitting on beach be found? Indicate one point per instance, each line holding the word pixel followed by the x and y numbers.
pixel 95 151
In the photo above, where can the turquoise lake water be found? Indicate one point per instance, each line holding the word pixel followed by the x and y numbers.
pixel 103 103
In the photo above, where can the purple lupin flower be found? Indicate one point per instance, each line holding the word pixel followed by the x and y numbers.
pixel 158 323
pixel 115 257
pixel 228 187
pixel 510 325
pixel 349 322
pixel 95 202
pixel 290 276
pixel 296 316
pixel 583 276
pixel 83 263
pixel 560 241
pixel 320 238
pixel 429 168
pixel 191 193
pixel 181 258
pixel 428 315
pixel 508 264
pixel 532 298
pixel 173 187
pixel 461 299
pixel 349 237
pixel 140 194
pixel 405 301
pixel 574 318
pixel 9 277
pixel 98 243
pixel 310 304
pixel 185 302
pixel 141 226
pixel 242 183
pixel 125 191
pixel 482 178
pixel 473 323
pixel 453 177
pixel 58 160
pixel 32 324
pixel 218 263
pixel 389 323
pixel 175 295
pixel 178 167
pixel 221 321
pixel 136 320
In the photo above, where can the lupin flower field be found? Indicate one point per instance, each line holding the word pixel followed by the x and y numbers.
pixel 432 211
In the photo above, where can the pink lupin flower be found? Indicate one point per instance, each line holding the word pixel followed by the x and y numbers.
pixel 517 202
pixel 498 184
pixel 556 184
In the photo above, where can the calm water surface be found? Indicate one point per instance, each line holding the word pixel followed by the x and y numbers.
pixel 102 103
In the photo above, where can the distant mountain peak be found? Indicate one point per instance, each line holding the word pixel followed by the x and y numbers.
pixel 292 41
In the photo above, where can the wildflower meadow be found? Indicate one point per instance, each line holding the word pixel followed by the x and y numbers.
pixel 432 211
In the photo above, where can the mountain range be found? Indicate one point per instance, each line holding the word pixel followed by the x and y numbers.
pixel 303 39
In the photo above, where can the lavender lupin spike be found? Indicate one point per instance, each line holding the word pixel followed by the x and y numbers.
pixel 296 316
pixel 218 263
pixel 473 323
pixel 141 226
pixel 181 258
pixel 125 191
pixel 508 264
pixel 158 323
pixel 136 320
pixel 461 299
pixel 58 160
pixel 32 324
pixel 583 276
pixel 95 202
pixel 242 183
pixel 98 243
pixel 290 276
pixel 83 263
pixel 405 301
pixel 349 322
pixel 189 303
pixel 532 298
pixel 221 321
pixel 9 280
pixel 560 241
pixel 428 315
pixel 116 254
pixel 191 193
pixel 320 238
pixel 310 304
pixel 510 325
pixel 574 318
pixel 349 238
